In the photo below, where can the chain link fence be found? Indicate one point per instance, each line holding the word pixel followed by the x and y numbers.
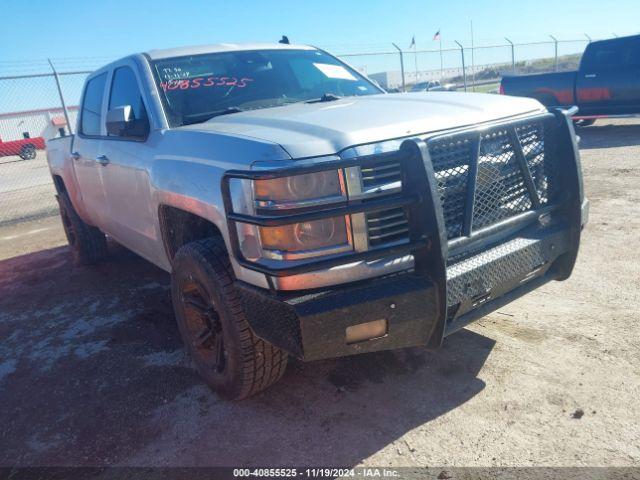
pixel 33 94
pixel 464 67
pixel 31 112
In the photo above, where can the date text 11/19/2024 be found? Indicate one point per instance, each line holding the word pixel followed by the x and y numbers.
pixel 315 472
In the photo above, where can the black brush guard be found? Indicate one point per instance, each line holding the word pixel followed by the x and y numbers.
pixel 511 257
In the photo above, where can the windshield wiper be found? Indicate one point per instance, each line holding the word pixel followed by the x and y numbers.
pixel 326 97
pixel 203 117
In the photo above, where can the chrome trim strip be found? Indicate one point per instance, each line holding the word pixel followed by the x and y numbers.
pixel 303 254
pixel 353 180
pixel 360 233
pixel 271 205
pixel 344 273
pixel 380 189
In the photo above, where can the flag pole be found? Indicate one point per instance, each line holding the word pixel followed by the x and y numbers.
pixel 473 63
pixel 415 59
pixel 441 69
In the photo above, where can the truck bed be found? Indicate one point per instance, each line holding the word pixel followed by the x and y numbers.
pixel 58 151
pixel 551 89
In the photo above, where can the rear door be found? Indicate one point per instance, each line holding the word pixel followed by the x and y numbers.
pixel 126 176
pixel 608 82
pixel 86 151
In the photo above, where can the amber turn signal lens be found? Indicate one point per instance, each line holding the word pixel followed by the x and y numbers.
pixel 311 235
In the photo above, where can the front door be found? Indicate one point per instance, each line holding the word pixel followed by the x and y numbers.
pixel 126 176
pixel 608 81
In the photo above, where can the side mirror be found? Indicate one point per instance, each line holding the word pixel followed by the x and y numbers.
pixel 122 123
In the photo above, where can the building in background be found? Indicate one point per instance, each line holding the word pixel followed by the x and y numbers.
pixel 44 123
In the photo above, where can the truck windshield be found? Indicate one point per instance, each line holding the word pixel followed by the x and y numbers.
pixel 199 87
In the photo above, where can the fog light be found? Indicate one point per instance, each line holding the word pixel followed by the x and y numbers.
pixel 366 331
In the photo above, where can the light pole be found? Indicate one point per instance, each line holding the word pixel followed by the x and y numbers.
pixel 464 70
pixel 555 42
pixel 513 55
pixel 404 88
pixel 64 105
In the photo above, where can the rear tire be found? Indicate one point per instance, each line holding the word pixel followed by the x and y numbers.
pixel 88 244
pixel 230 358
pixel 27 152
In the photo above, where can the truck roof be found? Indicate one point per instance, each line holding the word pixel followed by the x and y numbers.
pixel 221 47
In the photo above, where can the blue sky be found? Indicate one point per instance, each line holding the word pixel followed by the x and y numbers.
pixel 36 29
pixel 85 34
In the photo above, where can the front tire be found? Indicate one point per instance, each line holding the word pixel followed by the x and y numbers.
pixel 230 358
pixel 88 244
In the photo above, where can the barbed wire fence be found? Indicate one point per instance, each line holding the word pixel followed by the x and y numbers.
pixel 39 99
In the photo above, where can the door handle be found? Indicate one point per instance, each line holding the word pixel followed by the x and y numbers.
pixel 102 160
pixel 75 155
pixel 590 75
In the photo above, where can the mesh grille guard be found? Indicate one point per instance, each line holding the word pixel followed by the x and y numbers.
pixel 486 176
pixel 447 214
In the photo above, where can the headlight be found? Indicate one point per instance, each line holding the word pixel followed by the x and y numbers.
pixel 306 239
pixel 295 241
pixel 299 190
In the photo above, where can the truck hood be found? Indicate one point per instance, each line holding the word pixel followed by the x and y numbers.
pixel 314 129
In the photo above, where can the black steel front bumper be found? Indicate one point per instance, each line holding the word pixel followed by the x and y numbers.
pixel 453 282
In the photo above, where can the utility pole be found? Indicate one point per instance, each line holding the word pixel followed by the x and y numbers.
pixel 64 106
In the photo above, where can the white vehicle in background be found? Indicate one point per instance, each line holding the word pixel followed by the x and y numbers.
pixel 432 86
pixel 303 211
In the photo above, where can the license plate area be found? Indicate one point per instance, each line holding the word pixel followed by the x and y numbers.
pixel 486 276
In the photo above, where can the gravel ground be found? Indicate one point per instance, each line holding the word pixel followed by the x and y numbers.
pixel 92 371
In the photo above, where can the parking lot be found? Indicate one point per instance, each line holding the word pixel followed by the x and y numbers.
pixel 92 370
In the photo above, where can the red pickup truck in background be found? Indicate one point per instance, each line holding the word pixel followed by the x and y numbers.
pixel 25 148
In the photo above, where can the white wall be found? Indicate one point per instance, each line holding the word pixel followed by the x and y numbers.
pixel 38 124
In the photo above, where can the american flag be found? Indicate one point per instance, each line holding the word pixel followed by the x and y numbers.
pixel 436 36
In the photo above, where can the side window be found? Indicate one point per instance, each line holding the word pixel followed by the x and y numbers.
pixel 634 52
pixel 125 91
pixel 91 114
pixel 609 54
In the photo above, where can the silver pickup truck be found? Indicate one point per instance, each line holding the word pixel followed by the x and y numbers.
pixel 303 211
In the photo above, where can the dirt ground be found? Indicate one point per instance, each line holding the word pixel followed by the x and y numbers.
pixel 92 371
